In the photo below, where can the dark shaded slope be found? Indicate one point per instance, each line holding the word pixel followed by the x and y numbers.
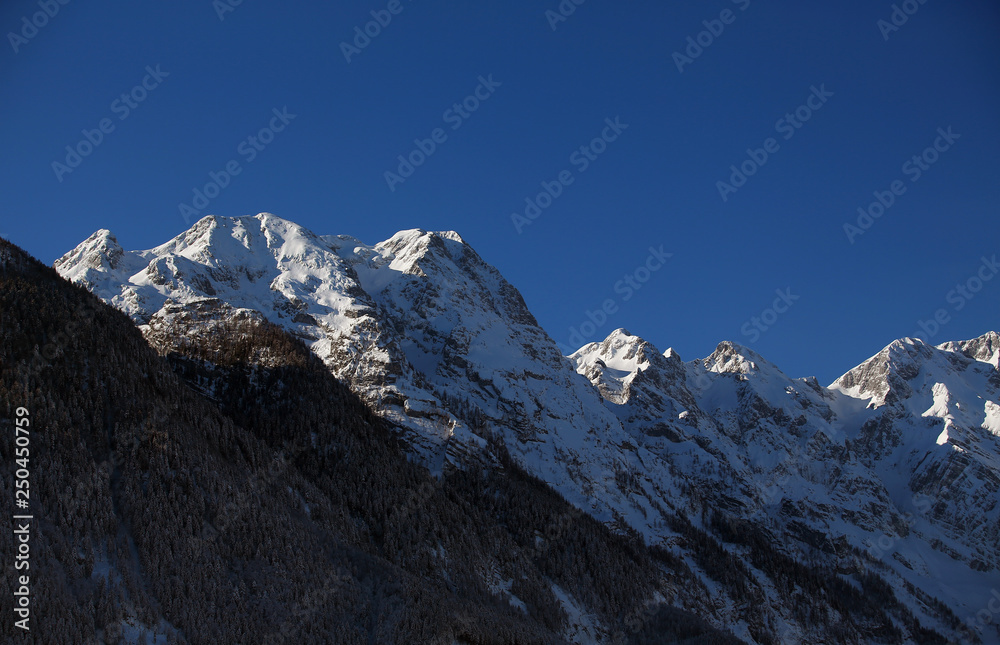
pixel 153 504
pixel 257 500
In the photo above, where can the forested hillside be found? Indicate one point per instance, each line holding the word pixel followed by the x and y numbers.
pixel 233 491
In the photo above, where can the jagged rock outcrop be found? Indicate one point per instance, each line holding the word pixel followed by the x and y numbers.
pixel 892 471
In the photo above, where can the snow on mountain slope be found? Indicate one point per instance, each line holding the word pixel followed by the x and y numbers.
pixel 405 322
pixel 276 269
pixel 439 343
pixel 898 458
pixel 932 417
pixel 471 337
pixel 986 348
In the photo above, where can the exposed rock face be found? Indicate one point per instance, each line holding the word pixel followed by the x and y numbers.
pixel 899 458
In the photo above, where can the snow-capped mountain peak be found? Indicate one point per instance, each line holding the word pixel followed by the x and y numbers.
pixel 441 345
pixel 883 378
pixel 731 358
pixel 99 252
pixel 614 363
pixel 986 348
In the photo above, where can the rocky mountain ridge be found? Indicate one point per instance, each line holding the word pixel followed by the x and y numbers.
pixel 893 470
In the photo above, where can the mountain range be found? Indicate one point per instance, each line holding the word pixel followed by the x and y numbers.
pixel 754 506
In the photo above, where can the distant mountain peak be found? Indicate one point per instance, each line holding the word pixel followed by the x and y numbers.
pixel 417 233
pixel 101 241
pixel 99 252
pixel 620 350
pixel 435 340
pixel 886 377
pixel 985 348
pixel 732 358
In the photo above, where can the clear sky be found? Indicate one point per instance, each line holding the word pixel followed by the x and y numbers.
pixel 864 98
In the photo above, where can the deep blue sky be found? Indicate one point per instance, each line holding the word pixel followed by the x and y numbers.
pixel 655 185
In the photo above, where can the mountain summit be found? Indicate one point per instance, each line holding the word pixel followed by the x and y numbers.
pixel 890 474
